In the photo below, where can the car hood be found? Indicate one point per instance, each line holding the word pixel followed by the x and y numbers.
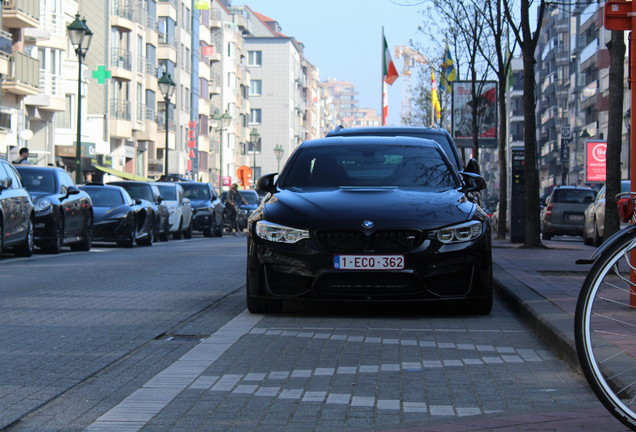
pixel 197 204
pixel 386 208
pixel 39 195
pixel 102 213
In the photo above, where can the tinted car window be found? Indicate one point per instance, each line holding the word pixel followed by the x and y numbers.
pixel 103 197
pixel 370 165
pixel 139 191
pixel 168 192
pixel 250 196
pixel 39 181
pixel 573 196
pixel 196 191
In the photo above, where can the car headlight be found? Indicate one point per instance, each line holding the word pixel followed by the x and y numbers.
pixel 42 204
pixel 279 233
pixel 457 233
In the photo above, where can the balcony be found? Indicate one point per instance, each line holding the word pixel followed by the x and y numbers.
pixel 24 75
pixel 216 20
pixel 51 97
pixel 20 13
pixel 121 63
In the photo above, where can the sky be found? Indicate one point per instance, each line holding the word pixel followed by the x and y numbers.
pixel 343 38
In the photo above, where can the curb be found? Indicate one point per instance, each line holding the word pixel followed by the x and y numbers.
pixel 554 326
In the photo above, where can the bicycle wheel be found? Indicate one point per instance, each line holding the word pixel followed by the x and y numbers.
pixel 605 329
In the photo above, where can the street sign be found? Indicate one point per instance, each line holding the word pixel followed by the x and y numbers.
pixel 566 133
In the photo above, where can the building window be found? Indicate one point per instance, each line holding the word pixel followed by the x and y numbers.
pixel 256 87
pixel 256 116
pixel 255 58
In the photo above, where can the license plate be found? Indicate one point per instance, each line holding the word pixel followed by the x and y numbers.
pixel 368 262
pixel 575 217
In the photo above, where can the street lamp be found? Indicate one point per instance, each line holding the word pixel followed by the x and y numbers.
pixel 166 86
pixel 80 36
pixel 278 151
pixel 220 123
pixel 254 139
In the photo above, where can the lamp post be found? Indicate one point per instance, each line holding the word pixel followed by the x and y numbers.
pixel 278 151
pixel 254 139
pixel 80 36
pixel 220 123
pixel 166 86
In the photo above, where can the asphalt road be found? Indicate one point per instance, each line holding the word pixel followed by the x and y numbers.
pixel 158 339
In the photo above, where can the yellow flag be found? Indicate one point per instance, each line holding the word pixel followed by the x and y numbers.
pixel 437 107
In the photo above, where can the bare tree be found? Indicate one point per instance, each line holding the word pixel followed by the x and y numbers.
pixel 527 40
pixel 616 48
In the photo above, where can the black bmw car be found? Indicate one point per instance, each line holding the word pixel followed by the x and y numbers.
pixel 369 219
pixel 63 213
pixel 118 217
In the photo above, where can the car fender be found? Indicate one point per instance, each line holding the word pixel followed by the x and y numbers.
pixel 624 232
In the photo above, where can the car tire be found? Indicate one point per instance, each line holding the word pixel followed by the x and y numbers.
pixel 207 232
pixel 130 241
pixel 164 236
pixel 25 249
pixel 187 234
pixel 86 243
pixel 586 240
pixel 178 234
pixel 57 237
pixel 218 231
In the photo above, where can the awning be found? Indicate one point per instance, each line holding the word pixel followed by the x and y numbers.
pixel 123 174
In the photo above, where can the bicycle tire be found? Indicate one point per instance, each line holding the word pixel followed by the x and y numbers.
pixel 605 330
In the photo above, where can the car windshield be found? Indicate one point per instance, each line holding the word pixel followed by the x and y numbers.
pixel 104 197
pixel 250 197
pixel 139 191
pixel 196 191
pixel 375 165
pixel 168 192
pixel 39 181
pixel 573 196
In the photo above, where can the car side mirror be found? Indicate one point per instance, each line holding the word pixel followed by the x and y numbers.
pixel 473 166
pixel 473 182
pixel 137 201
pixel 266 183
pixel 72 190
pixel 6 183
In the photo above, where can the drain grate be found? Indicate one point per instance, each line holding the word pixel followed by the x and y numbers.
pixel 182 337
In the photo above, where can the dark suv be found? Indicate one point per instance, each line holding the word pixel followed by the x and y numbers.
pixel 207 210
pixel 16 213
pixel 564 211
pixel 441 136
pixel 150 192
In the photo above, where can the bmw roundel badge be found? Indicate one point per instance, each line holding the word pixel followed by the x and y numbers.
pixel 367 224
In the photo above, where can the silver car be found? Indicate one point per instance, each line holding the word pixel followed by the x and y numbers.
pixel 594 226
pixel 179 209
pixel 564 209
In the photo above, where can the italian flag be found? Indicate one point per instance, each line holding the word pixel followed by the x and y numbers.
pixel 388 67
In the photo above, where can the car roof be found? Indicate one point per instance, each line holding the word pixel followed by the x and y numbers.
pixel 337 141
pixel 97 185
pixel 371 130
pixel 572 187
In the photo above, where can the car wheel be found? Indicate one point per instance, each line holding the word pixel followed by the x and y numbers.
pixel 165 233
pixel 188 232
pixel 147 240
pixel 130 241
pixel 57 237
pixel 596 238
pixel 207 232
pixel 86 243
pixel 178 235
pixel 25 249
pixel 218 231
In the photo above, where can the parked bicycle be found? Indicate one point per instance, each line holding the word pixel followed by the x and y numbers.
pixel 605 319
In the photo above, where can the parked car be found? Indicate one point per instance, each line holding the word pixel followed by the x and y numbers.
pixel 179 208
pixel 369 219
pixel 63 213
pixel 594 225
pixel 564 209
pixel 207 208
pixel 118 217
pixel 245 210
pixel 16 213
pixel 440 136
pixel 150 192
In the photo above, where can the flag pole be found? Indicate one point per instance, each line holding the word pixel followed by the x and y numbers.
pixel 382 122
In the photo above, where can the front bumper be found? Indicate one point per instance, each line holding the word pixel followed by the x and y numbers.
pixel 305 271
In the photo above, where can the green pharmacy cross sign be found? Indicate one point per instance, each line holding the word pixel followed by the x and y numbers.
pixel 101 74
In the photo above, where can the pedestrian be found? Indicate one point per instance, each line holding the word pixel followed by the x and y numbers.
pixel 232 204
pixel 23 158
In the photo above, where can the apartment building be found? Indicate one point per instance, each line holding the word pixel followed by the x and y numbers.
pixel 281 86
pixel 20 20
